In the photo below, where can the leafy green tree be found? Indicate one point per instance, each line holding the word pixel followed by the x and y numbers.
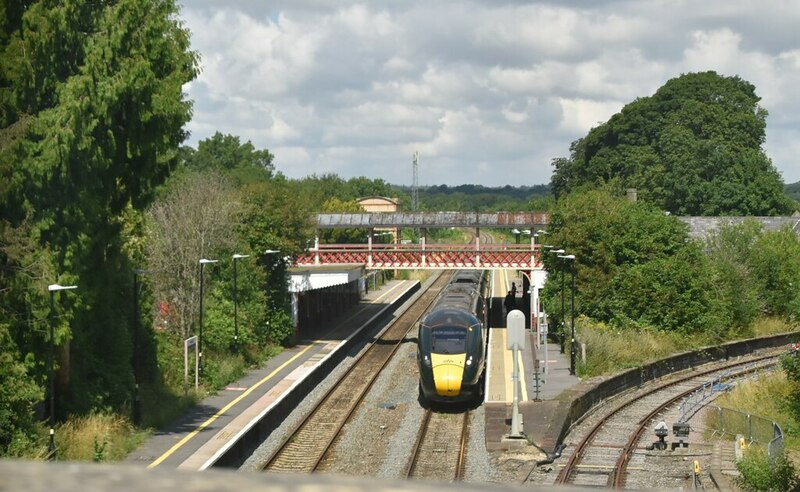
pixel 318 189
pixel 18 395
pixel 343 236
pixel 728 249
pixel 792 190
pixel 92 116
pixel 274 217
pixel 225 153
pixel 361 187
pixel 774 262
pixel 675 293
pixel 791 365
pixel 195 220
pixel 759 472
pixel 608 235
pixel 692 148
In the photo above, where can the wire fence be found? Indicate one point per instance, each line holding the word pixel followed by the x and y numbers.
pixel 726 421
pixel 711 389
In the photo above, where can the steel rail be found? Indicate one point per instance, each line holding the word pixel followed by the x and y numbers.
pixel 583 445
pixel 296 440
pixel 617 477
pixel 418 450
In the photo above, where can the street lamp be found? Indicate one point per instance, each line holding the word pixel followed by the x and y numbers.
pixel 572 348
pixel 137 404
pixel 235 305
pixel 203 263
pixel 52 288
pixel 562 335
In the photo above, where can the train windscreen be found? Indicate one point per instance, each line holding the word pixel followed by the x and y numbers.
pixel 449 340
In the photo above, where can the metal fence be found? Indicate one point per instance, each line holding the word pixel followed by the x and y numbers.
pixel 726 421
pixel 711 389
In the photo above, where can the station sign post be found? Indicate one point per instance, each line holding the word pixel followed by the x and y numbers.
pixel 515 325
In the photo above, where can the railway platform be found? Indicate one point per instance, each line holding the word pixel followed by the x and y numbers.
pixel 545 383
pixel 196 439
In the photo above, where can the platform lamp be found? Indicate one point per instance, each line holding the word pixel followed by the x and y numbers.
pixel 203 263
pixel 236 256
pixel 52 288
pixel 534 234
pixel 563 334
pixel 137 404
pixel 572 348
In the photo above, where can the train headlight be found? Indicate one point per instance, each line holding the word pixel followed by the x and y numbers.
pixel 469 361
pixel 426 360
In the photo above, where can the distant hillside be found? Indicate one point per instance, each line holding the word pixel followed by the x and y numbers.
pixel 470 198
pixel 792 190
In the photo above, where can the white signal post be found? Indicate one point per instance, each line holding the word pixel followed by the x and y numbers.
pixel 515 325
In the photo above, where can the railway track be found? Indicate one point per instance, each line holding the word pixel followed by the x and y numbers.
pixel 602 456
pixel 440 449
pixel 309 444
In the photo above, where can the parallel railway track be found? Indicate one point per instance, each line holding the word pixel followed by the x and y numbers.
pixel 440 449
pixel 601 458
pixel 311 441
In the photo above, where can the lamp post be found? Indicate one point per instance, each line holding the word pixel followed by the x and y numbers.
pixel 137 404
pixel 52 288
pixel 562 335
pixel 236 305
pixel 203 263
pixel 572 348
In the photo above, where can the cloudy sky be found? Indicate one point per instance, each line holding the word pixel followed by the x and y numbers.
pixel 488 92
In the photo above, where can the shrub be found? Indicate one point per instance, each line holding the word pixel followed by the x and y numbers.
pixel 761 473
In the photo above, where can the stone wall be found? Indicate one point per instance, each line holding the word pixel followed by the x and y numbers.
pixel 701 227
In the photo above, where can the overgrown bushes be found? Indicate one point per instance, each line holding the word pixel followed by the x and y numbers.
pixel 637 268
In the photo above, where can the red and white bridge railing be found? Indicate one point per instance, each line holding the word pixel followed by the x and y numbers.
pixel 418 256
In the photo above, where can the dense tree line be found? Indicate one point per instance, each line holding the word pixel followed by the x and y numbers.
pixel 91 116
pixel 692 148
pixel 792 190
pixel 637 268
pixel 471 198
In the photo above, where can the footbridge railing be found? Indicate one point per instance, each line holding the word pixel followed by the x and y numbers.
pixel 418 256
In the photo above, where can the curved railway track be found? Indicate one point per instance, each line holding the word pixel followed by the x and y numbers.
pixel 601 458
pixel 308 445
pixel 440 449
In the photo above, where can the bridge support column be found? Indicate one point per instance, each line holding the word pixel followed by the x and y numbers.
pixel 478 246
pixel 369 248
pixel 422 243
pixel 316 249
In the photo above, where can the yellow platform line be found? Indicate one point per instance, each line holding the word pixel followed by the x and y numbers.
pixel 224 409
pixel 227 407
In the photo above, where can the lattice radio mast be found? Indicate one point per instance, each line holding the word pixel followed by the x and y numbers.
pixel 415 183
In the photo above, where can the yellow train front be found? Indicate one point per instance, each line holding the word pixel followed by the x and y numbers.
pixel 451 349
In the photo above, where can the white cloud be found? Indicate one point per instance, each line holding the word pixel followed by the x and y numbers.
pixel 487 92
pixel 581 115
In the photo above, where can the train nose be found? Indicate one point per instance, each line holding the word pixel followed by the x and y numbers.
pixel 448 379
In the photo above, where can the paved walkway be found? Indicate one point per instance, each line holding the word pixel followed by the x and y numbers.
pixel 543 414
pixel 194 438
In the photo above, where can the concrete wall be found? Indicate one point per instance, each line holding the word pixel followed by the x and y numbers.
pixel 584 398
pixel 239 451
